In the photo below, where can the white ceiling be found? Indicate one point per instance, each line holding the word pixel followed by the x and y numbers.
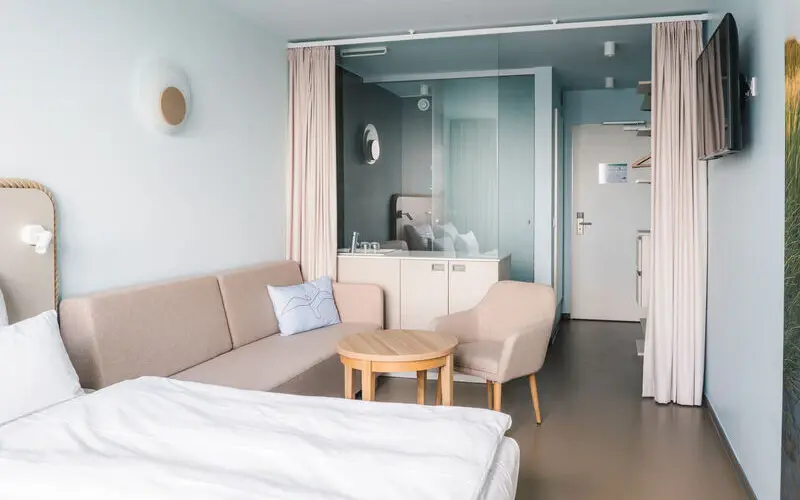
pixel 297 20
pixel 576 56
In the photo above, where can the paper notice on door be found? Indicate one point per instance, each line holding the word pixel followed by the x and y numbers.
pixel 613 173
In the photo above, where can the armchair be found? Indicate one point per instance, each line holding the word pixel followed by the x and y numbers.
pixel 504 337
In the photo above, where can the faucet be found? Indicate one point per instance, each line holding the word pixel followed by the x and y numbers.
pixel 354 242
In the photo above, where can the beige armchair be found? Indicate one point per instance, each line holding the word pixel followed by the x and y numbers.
pixel 504 337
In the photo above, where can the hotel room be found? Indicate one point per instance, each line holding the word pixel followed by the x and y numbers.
pixel 329 250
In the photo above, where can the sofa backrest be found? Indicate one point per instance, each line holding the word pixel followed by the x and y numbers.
pixel 247 303
pixel 154 330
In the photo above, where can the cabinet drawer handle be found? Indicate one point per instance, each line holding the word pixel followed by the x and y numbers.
pixel 459 268
pixel 438 268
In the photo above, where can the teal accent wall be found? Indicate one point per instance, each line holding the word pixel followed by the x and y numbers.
pixel 744 339
pixel 584 107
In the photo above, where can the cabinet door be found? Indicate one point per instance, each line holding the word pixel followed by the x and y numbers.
pixel 469 282
pixel 380 271
pixel 423 292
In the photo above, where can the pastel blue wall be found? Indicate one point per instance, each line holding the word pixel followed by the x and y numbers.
pixel 582 107
pixel 744 350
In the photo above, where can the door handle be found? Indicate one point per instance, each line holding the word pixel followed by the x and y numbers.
pixel 437 268
pixel 581 224
pixel 459 268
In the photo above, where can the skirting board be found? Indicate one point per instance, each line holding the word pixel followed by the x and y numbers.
pixel 729 450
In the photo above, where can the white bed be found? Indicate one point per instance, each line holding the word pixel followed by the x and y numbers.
pixel 159 438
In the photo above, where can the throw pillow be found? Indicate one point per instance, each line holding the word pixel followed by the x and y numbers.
pixel 449 230
pixel 467 244
pixel 35 370
pixel 304 307
pixel 419 237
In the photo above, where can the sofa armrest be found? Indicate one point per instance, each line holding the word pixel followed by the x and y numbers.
pixel 359 303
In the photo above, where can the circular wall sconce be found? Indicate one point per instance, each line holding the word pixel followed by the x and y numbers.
pixel 164 96
pixel 371 145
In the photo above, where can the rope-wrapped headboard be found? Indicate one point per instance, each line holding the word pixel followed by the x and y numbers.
pixel 29 280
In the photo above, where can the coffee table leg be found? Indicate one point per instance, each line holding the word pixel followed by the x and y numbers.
pixel 348 382
pixel 422 377
pixel 447 382
pixel 367 382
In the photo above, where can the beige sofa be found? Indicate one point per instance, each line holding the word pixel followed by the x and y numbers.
pixel 214 329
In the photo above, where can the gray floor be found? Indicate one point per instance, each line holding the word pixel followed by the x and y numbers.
pixel 599 439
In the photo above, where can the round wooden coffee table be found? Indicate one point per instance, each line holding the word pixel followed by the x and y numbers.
pixel 387 351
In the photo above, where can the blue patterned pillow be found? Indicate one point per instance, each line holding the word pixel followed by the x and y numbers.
pixel 304 307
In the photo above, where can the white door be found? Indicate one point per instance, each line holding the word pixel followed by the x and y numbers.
pixel 604 279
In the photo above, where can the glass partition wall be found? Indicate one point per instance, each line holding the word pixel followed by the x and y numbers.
pixel 436 154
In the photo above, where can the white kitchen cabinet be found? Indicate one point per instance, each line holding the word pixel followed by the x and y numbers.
pixel 470 280
pixel 382 272
pixel 421 286
pixel 424 292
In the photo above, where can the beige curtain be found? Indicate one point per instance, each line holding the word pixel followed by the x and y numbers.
pixel 311 233
pixel 674 357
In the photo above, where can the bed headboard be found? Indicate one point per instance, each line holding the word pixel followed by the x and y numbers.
pixel 418 207
pixel 29 280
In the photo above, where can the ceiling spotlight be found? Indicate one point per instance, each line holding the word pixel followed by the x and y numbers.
pixel 609 82
pixel 610 49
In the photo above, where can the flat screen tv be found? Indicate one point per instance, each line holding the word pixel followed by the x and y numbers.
pixel 720 94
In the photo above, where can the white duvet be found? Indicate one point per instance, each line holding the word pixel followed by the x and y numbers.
pixel 155 438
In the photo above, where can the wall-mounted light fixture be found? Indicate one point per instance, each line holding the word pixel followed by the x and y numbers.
pixel 164 95
pixel 37 237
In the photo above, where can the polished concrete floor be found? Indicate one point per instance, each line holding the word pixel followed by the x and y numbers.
pixel 599 440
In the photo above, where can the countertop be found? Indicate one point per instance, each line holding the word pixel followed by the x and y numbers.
pixel 405 254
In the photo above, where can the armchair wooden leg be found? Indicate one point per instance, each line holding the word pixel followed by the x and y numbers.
pixel 498 396
pixel 535 398
pixel 439 387
pixel 489 395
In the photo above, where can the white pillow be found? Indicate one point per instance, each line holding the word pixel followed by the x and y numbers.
pixel 467 244
pixel 3 310
pixel 449 230
pixel 304 307
pixel 444 244
pixel 35 371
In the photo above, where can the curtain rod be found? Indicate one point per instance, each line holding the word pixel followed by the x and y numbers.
pixel 553 26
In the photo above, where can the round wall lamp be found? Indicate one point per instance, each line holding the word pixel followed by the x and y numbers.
pixel 371 144
pixel 164 96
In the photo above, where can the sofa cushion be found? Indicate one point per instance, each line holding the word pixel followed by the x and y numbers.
pixel 154 330
pixel 269 362
pixel 478 358
pixel 247 303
